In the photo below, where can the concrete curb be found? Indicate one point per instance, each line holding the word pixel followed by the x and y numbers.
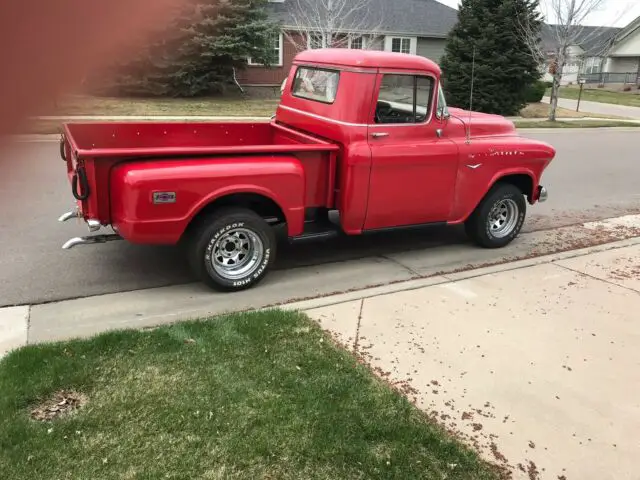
pixel 451 277
pixel 14 328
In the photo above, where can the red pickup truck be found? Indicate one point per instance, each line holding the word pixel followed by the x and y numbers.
pixel 362 133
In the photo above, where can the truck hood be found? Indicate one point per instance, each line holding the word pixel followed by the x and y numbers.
pixel 483 124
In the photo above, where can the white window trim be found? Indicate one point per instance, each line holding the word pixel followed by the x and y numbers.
pixel 318 34
pixel 364 42
pixel 280 54
pixel 413 44
pixel 592 65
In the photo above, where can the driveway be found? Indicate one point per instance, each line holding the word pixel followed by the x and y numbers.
pixel 536 367
pixel 599 108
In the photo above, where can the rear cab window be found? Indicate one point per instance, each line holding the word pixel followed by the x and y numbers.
pixel 317 84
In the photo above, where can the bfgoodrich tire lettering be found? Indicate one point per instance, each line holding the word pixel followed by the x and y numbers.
pixel 498 218
pixel 232 249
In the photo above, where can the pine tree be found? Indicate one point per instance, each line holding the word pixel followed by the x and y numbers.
pixel 505 70
pixel 196 54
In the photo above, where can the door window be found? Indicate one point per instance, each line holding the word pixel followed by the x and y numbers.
pixel 404 99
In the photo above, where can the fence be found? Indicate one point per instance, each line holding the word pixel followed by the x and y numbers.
pixel 632 78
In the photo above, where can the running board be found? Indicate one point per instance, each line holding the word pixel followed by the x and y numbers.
pixel 314 232
pixel 90 240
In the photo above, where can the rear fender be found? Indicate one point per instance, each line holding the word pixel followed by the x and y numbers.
pixel 290 215
pixel 155 201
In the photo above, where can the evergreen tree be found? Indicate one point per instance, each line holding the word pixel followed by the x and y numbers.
pixel 505 70
pixel 196 54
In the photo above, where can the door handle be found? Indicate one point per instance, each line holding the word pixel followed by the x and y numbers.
pixel 379 134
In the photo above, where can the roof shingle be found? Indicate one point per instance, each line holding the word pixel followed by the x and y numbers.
pixel 425 18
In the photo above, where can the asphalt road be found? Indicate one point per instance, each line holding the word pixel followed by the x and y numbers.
pixel 595 176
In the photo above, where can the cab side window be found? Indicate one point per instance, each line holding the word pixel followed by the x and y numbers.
pixel 404 99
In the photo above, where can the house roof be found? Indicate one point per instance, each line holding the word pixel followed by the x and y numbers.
pixel 593 40
pixel 628 30
pixel 625 34
pixel 425 18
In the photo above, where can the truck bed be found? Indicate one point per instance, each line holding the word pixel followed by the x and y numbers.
pixel 92 150
pixel 153 139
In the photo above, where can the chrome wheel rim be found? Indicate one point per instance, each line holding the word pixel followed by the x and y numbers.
pixel 237 254
pixel 503 218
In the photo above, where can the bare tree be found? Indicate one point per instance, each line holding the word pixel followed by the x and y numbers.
pixel 334 23
pixel 566 29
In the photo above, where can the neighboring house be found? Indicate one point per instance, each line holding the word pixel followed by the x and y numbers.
pixel 624 55
pixel 407 26
pixel 600 54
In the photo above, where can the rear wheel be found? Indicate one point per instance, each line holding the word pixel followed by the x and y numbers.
pixel 232 249
pixel 498 218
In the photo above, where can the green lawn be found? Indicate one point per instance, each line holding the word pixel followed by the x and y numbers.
pixel 248 396
pixel 208 106
pixel 601 95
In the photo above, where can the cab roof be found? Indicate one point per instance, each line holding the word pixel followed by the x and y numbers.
pixel 346 57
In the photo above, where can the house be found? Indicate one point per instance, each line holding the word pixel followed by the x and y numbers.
pixel 624 55
pixel 598 54
pixel 407 26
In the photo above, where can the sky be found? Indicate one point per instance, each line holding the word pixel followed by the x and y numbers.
pixel 614 13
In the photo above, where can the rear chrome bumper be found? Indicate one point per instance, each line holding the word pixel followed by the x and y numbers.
pixel 543 195
pixel 92 225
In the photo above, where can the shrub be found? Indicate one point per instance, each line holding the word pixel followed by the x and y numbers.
pixel 535 92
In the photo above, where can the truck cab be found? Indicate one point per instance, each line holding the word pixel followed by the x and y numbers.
pixel 365 134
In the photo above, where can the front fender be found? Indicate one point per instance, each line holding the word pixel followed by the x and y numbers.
pixel 154 201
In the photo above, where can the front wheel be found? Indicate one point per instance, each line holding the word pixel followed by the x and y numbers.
pixel 498 218
pixel 231 250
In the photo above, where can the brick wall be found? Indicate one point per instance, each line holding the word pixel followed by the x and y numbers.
pixel 256 75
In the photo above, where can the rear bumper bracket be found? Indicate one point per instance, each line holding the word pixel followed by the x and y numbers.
pixel 90 240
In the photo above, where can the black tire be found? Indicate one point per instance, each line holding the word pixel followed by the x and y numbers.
pixel 206 241
pixel 478 225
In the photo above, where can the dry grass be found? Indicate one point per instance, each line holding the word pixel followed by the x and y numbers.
pixel 229 107
pixel 541 110
pixel 207 106
pixel 602 95
pixel 573 124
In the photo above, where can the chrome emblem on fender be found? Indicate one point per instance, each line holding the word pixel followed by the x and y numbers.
pixel 164 197
pixel 474 166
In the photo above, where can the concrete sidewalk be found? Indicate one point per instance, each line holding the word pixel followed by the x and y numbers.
pixel 537 366
pixel 598 107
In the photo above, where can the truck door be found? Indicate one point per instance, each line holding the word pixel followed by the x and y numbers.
pixel 413 172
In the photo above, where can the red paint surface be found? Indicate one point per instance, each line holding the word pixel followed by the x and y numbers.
pixel 312 154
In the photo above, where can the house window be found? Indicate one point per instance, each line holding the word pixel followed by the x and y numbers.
pixel 357 43
pixel 401 45
pixel 315 41
pixel 404 99
pixel 592 65
pixel 277 55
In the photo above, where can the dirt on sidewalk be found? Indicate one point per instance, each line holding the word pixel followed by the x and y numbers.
pixel 537 368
